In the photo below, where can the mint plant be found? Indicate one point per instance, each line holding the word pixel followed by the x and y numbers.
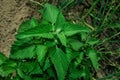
pixel 51 49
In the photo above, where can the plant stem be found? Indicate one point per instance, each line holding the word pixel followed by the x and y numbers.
pixel 105 17
pixel 92 28
pixel 111 37
pixel 108 38
pixel 68 3
pixel 35 2
pixel 117 7
pixel 91 8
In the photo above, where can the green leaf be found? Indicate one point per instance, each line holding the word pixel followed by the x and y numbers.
pixel 27 67
pixel 50 13
pixel 27 78
pixel 79 59
pixel 84 36
pixel 5 71
pixel 62 38
pixel 71 54
pixel 7 68
pixel 44 22
pixel 86 73
pixel 60 61
pixel 47 64
pixel 76 74
pixel 92 41
pixel 50 44
pixel 27 35
pixel 2 58
pixel 51 74
pixel 93 57
pixel 72 29
pixel 20 73
pixel 37 69
pixel 22 43
pixel 75 44
pixel 28 24
pixel 41 52
pixel 60 21
pixel 34 22
pixel 115 25
pixel 24 53
pixel 10 63
pixel 43 31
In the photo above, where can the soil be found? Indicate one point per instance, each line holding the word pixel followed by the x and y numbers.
pixel 12 13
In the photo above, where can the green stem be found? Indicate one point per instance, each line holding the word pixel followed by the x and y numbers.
pixel 111 37
pixel 91 8
pixel 68 3
pixel 35 2
pixel 110 76
pixel 116 8
pixel 92 28
pixel 108 38
pixel 105 17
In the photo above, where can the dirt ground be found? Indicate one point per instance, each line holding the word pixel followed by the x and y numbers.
pixel 12 13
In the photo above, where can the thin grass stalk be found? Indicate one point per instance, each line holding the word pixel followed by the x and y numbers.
pixel 90 9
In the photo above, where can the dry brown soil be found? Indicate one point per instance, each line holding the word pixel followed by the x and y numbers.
pixel 12 13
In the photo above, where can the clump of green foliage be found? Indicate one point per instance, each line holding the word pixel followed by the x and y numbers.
pixel 51 49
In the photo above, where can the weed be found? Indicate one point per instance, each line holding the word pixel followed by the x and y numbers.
pixel 56 49
pixel 51 49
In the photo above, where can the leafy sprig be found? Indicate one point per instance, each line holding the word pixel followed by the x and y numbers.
pixel 51 49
